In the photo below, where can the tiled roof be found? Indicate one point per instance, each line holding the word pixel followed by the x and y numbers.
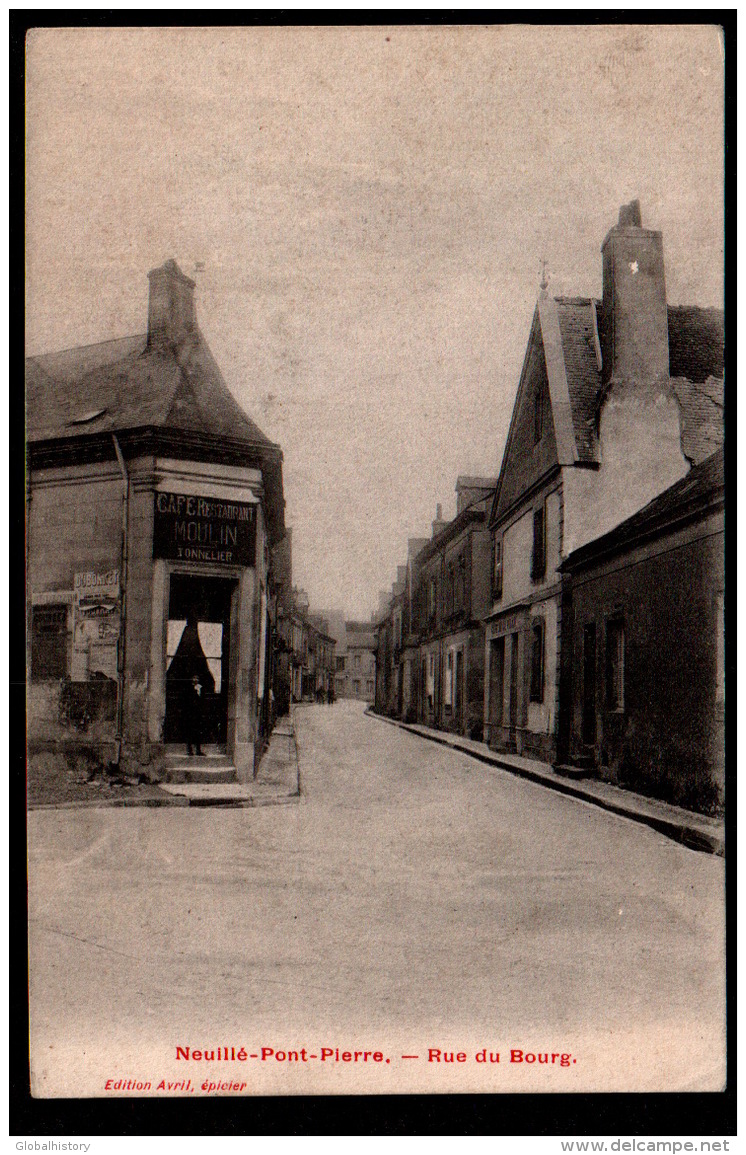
pixel 124 384
pixel 577 330
pixel 696 343
pixel 696 340
pixel 702 484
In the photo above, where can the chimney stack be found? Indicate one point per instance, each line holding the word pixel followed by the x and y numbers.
pixel 171 318
pixel 634 330
pixel 438 524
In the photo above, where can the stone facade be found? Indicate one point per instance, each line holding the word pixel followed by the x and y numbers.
pixel 643 686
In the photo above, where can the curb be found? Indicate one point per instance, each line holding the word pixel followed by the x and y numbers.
pixel 687 834
pixel 102 803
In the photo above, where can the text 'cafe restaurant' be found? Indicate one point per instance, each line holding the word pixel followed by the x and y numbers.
pixel 153 503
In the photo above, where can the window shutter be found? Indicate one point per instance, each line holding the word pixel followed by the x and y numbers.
pixel 497 568
pixel 537 661
pixel 538 557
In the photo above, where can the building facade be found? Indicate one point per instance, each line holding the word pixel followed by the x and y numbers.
pixel 431 637
pixel 643 635
pixel 357 676
pixel 153 505
pixel 312 653
pixel 616 400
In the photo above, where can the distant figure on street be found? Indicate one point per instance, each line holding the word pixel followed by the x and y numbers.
pixel 190 676
pixel 330 694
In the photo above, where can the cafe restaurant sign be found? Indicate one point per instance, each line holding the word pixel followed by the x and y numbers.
pixel 204 529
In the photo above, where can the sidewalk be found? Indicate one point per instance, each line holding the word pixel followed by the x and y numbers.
pixel 277 781
pixel 276 784
pixel 696 831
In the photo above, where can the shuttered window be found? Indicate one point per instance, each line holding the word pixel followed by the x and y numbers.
pixel 537 661
pixel 497 567
pixel 538 554
pixel 615 664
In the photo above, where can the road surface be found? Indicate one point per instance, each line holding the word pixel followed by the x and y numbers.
pixel 414 901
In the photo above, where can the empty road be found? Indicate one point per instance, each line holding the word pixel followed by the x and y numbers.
pixel 414 902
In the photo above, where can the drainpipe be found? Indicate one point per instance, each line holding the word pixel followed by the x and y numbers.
pixel 123 597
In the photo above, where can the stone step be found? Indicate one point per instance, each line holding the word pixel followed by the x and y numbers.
pixel 211 767
pixel 206 774
pixel 575 772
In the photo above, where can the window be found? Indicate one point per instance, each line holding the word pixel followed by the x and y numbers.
pixel 537 661
pixel 497 567
pixel 615 665
pixel 48 642
pixel 460 591
pixel 356 686
pixel 450 589
pixel 432 598
pixel 356 662
pixel 538 554
pixel 720 628
pixel 340 661
pixel 397 630
pixel 448 688
pixel 538 415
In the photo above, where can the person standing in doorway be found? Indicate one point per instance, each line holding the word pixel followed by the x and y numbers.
pixel 193 684
pixel 193 713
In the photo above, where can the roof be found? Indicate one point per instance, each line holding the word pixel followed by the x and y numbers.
pixel 463 481
pixel 695 350
pixel 477 511
pixel 578 325
pixel 360 634
pixel 703 486
pixel 126 384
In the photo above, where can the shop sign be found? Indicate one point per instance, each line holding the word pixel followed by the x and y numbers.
pixel 509 625
pixel 96 625
pixel 204 529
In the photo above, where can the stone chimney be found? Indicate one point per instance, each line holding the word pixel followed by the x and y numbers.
pixel 438 524
pixel 171 318
pixel 634 331
pixel 470 490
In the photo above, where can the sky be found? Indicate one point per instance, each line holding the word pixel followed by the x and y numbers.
pixel 365 211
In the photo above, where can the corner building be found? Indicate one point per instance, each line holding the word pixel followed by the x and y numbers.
pixel 152 500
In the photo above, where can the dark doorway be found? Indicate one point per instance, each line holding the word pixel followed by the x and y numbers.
pixel 459 690
pixel 497 677
pixel 204 603
pixel 589 684
pixel 513 689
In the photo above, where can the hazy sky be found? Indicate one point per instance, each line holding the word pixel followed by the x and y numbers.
pixel 368 208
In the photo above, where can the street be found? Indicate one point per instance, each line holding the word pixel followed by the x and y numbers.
pixel 414 901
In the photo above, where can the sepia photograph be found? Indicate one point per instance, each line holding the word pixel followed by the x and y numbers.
pixel 375 581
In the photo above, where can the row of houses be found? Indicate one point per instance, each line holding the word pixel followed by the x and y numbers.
pixel 312 652
pixel 573 610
